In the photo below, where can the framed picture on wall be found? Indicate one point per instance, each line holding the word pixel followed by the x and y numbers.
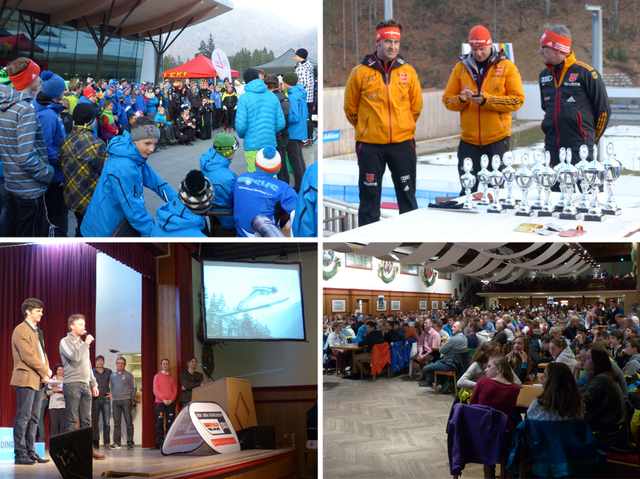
pixel 395 305
pixel 434 305
pixel 338 306
pixel 423 305
pixel 411 269
pixel 444 275
pixel 381 305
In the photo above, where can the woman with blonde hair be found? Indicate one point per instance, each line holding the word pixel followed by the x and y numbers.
pixel 479 362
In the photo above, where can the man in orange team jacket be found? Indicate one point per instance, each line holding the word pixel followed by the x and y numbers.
pixel 485 87
pixel 383 100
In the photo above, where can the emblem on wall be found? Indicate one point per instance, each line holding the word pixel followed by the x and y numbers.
pixel 330 264
pixel 387 271
pixel 429 276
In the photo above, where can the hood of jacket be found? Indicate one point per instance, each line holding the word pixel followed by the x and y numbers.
pixel 297 90
pixel 123 146
pixel 42 102
pixel 211 160
pixel 256 86
pixel 9 97
pixel 175 216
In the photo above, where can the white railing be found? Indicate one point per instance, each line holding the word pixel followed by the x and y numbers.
pixel 341 216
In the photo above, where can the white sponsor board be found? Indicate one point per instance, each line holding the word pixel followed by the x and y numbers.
pixel 198 423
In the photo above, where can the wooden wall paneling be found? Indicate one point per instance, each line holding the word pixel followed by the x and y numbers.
pixel 166 311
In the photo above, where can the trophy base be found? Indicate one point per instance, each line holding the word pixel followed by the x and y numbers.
pixel 583 210
pixel 569 216
pixel 509 207
pixel 558 209
pixel 616 212
pixel 596 218
pixel 546 214
pixel 536 208
pixel 522 213
pixel 497 211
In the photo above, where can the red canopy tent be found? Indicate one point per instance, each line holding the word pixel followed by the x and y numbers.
pixel 199 67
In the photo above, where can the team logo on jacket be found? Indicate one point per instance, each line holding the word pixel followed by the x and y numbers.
pixel 369 176
pixel 594 75
pixel 499 69
pixel 404 77
pixel 571 100
pixel 573 77
pixel 546 79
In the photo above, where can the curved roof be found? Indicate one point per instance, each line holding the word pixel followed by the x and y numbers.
pixel 149 16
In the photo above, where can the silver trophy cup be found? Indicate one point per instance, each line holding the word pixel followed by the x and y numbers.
pixel 614 169
pixel 583 206
pixel 483 178
pixel 547 177
pixel 537 167
pixel 468 181
pixel 595 175
pixel 495 180
pixel 524 180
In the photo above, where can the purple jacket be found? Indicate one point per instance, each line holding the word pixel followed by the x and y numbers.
pixel 475 435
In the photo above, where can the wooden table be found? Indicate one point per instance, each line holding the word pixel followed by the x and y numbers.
pixel 348 347
pixel 530 390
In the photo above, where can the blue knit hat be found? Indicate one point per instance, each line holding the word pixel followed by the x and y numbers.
pixel 52 85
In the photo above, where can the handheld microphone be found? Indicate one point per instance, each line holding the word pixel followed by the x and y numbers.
pixel 84 333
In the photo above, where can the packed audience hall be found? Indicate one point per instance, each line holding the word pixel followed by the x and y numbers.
pixel 568 374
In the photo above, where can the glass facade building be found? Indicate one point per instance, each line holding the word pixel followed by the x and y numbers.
pixel 72 53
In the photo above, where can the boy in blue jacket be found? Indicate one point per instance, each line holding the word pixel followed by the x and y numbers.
pixel 259 193
pixel 215 164
pixel 48 106
pixel 119 194
pixel 298 114
pixel 184 216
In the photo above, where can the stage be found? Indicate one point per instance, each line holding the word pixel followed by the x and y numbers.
pixel 249 464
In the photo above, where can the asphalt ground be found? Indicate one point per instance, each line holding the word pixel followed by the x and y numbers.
pixel 174 163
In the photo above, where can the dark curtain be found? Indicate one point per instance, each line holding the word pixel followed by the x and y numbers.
pixel 134 255
pixel 63 277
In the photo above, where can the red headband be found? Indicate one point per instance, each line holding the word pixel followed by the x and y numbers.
pixel 388 32
pixel 25 78
pixel 555 41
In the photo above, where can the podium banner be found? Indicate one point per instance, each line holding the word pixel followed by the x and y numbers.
pixel 198 423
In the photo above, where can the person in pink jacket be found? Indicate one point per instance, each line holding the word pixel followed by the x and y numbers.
pixel 165 390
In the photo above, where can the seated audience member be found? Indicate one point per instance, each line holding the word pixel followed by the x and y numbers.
pixel 604 402
pixel 185 125
pixel 373 336
pixel 428 339
pixel 448 326
pixel 362 331
pixel 556 332
pixel 566 332
pixel 82 157
pixel 501 333
pixel 411 332
pixel 561 352
pixel 582 375
pixel 118 196
pixel 633 353
pixel 520 360
pixel 184 216
pixel 259 193
pixel 496 390
pixel 455 346
pixel 475 371
pixel 617 348
pixel 580 337
pixel 336 338
pixel 630 332
pixel 437 325
pixel 392 334
pixel 540 350
pixel 347 330
pixel 472 334
pixel 215 163
pixel 167 135
pixel 560 399
pixel 487 325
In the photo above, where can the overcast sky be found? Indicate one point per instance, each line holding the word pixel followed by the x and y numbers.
pixel 306 14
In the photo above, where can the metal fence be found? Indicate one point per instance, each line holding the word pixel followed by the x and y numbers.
pixel 434 122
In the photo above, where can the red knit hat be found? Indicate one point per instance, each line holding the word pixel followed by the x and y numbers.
pixel 88 92
pixel 479 36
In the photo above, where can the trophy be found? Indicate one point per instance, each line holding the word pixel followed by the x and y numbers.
pixel 468 181
pixel 561 201
pixel 483 178
pixel 583 206
pixel 495 180
pixel 524 179
pixel 509 173
pixel 595 175
pixel 614 169
pixel 537 158
pixel 568 176
pixel 547 178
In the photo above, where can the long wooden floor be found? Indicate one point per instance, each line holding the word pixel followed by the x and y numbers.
pixel 387 428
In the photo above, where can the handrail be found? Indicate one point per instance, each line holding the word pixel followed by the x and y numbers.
pixel 341 216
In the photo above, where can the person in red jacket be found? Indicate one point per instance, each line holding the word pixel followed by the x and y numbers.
pixel 165 390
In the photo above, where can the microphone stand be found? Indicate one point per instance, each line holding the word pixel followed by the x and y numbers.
pixel 208 373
